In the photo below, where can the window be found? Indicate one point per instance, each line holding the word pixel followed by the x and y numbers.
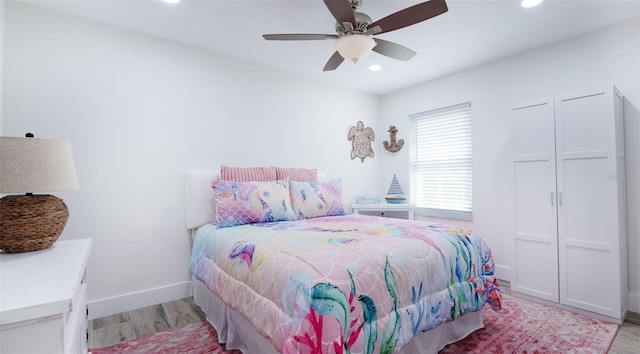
pixel 441 162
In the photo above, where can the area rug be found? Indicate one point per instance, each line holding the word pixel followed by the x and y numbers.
pixel 523 326
pixel 194 338
pixel 520 327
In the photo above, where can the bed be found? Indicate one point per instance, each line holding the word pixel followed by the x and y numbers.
pixel 334 282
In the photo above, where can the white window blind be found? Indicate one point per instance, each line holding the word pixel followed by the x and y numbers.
pixel 441 162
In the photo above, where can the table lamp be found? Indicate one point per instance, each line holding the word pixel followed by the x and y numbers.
pixel 28 221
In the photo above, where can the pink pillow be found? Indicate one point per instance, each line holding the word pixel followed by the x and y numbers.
pixel 297 174
pixel 247 174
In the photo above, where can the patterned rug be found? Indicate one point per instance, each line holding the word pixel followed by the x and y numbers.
pixel 194 338
pixel 523 326
pixel 520 327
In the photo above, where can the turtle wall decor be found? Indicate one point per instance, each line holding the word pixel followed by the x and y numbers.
pixel 393 145
pixel 361 139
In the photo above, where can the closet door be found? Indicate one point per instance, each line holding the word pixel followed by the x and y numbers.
pixel 535 200
pixel 588 210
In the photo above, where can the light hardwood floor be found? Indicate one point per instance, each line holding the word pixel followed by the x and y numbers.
pixel 126 326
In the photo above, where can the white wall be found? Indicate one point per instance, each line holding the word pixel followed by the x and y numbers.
pixel 2 20
pixel 597 59
pixel 139 112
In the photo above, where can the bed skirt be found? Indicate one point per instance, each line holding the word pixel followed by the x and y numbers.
pixel 236 332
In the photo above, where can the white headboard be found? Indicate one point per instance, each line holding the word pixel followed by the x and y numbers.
pixel 200 202
pixel 200 206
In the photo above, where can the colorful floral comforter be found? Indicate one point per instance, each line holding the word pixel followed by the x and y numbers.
pixel 351 283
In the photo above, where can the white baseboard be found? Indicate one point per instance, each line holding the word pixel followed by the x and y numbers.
pixel 503 272
pixel 131 301
pixel 634 302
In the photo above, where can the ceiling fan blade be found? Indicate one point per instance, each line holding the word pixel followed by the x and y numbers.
pixel 393 50
pixel 408 16
pixel 342 11
pixel 298 37
pixel 333 63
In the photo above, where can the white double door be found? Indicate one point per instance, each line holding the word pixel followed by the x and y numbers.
pixel 570 235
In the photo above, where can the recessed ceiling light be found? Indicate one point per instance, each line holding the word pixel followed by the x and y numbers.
pixel 172 1
pixel 375 67
pixel 530 3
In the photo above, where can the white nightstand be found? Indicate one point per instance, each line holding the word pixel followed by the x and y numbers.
pixel 43 306
pixel 401 211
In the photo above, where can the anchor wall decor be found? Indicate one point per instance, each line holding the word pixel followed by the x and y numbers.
pixel 393 146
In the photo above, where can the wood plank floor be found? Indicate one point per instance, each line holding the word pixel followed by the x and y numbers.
pixel 627 340
pixel 126 326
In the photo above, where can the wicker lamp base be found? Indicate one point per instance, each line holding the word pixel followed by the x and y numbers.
pixel 31 222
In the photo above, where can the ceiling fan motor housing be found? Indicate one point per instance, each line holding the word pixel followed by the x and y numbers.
pixel 362 22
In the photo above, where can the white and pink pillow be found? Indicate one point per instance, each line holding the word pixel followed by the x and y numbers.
pixel 316 199
pixel 239 203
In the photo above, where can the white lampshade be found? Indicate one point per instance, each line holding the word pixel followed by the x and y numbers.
pixel 29 165
pixel 355 47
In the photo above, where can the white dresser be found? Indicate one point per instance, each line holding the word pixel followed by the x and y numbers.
pixel 43 299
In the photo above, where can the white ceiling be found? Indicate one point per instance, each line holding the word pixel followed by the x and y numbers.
pixel 472 32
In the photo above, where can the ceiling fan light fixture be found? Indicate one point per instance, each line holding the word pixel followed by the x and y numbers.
pixel 355 47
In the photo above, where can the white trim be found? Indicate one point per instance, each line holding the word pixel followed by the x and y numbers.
pixel 634 302
pixel 503 272
pixel 445 213
pixel 447 109
pixel 136 300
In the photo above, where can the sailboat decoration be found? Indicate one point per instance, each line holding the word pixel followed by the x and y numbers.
pixel 395 194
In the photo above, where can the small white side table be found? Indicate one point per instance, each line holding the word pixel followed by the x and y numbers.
pixel 43 299
pixel 384 209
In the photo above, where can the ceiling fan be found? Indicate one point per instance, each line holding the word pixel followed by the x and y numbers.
pixel 354 28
